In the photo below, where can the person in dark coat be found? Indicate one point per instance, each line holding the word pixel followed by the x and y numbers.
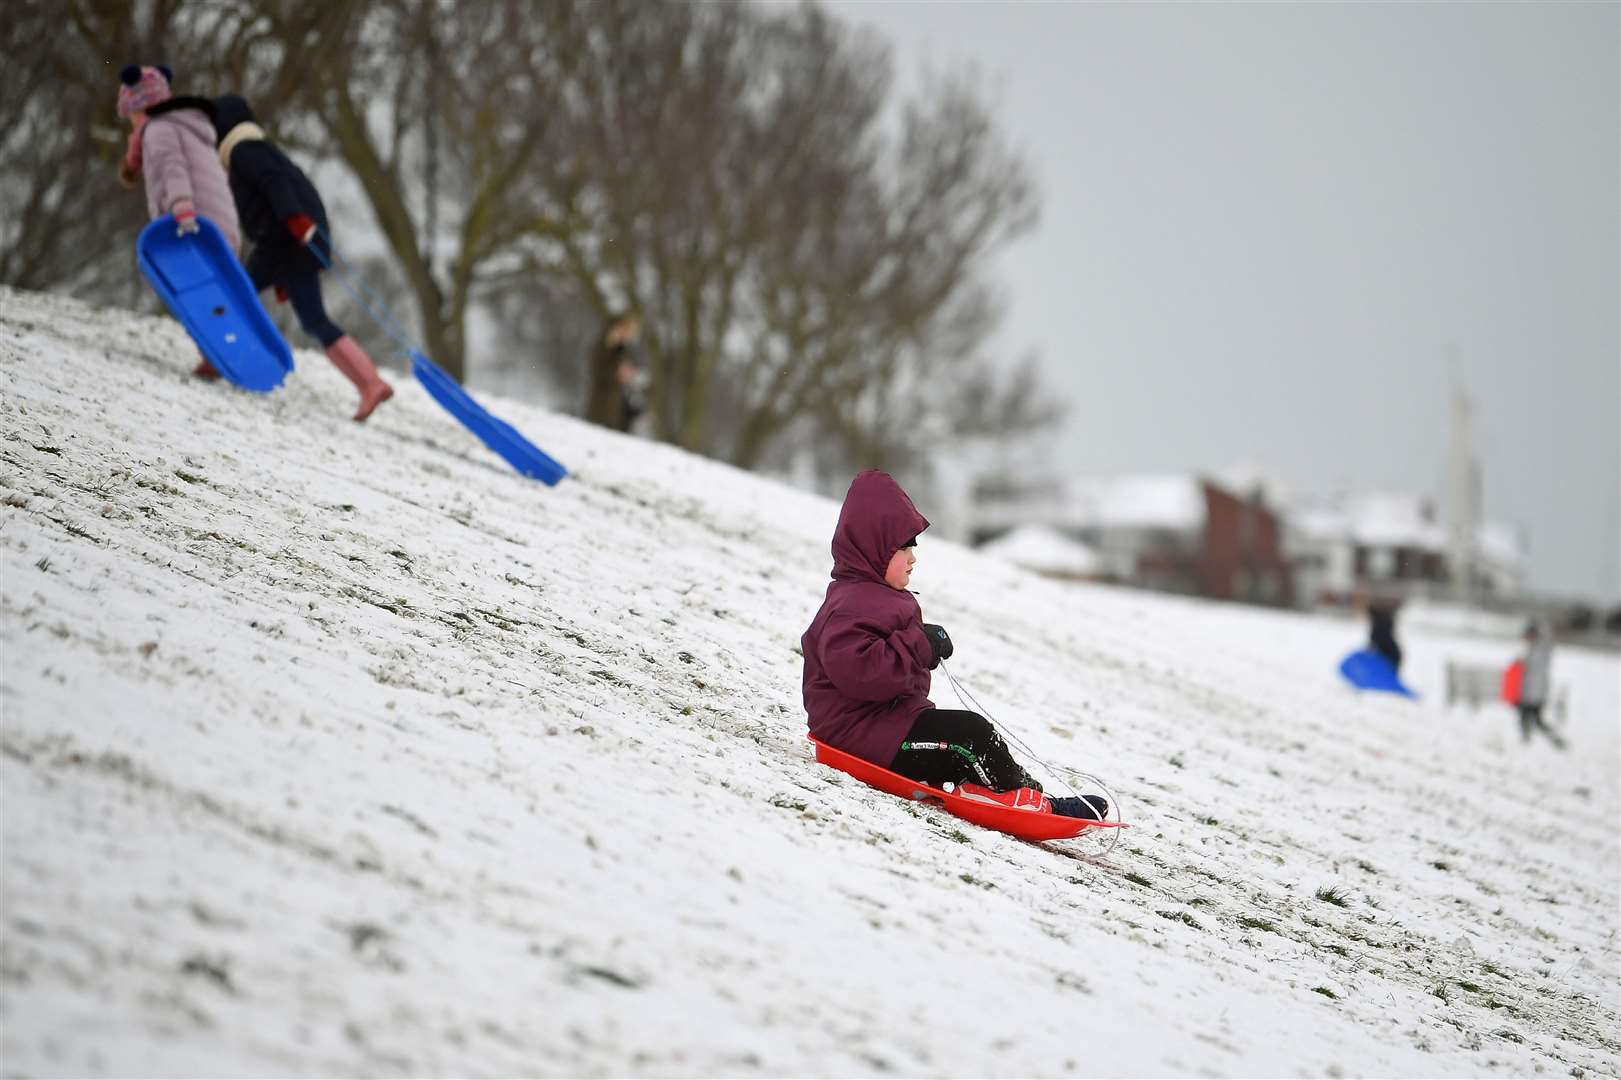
pixel 1382 630
pixel 282 215
pixel 868 654
pixel 615 397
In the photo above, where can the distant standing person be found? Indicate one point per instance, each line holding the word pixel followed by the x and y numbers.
pixel 283 215
pixel 1535 683
pixel 1382 630
pixel 616 399
pixel 171 147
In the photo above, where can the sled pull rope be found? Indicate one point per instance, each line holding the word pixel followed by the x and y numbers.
pixel 352 284
pixel 1066 776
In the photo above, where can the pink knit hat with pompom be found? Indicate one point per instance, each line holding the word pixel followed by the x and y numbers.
pixel 143 87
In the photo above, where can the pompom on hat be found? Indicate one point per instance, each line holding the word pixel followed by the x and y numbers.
pixel 143 87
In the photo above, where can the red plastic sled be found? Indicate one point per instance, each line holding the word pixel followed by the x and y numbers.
pixel 1025 824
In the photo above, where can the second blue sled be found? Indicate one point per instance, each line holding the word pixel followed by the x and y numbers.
pixel 495 433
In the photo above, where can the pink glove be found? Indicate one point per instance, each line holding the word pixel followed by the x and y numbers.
pixel 185 216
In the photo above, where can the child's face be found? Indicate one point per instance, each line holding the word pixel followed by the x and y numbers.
pixel 899 573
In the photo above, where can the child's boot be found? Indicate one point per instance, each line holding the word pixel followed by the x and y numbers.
pixel 205 370
pixel 1088 807
pixel 348 357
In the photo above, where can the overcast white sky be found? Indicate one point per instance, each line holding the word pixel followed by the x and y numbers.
pixel 1264 225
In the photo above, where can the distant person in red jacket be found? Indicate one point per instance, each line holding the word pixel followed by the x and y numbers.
pixel 868 654
pixel 1535 684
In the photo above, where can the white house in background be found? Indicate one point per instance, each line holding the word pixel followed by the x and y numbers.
pixel 1177 532
pixel 1046 551
pixel 1391 544
pixel 1501 552
pixel 1128 517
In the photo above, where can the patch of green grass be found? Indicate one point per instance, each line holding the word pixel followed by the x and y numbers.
pixel 1366 867
pixel 958 835
pixel 1208 821
pixel 1439 865
pixel 1492 969
pixel 1328 894
pixel 970 879
pixel 785 803
pixel 1176 761
pixel 1198 901
pixel 1339 950
pixel 1326 992
pixel 1465 984
pixel 1251 923
pixel 1138 879
pixel 1440 991
pixel 1181 917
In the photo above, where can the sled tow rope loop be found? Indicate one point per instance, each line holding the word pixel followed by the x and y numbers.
pixel 1074 779
pixel 352 284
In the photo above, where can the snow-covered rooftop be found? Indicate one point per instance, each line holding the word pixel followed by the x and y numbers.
pixel 1044 550
pixel 1169 501
pixel 336 749
pixel 1388 519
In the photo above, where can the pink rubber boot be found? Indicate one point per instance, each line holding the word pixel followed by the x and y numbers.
pixel 348 357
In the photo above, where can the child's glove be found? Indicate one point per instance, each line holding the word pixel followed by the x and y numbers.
pixel 939 641
pixel 185 217
pixel 302 226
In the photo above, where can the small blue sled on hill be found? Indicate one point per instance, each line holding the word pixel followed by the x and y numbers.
pixel 495 433
pixel 203 285
pixel 1367 670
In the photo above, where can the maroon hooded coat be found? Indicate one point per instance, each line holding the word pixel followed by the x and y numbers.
pixel 867 659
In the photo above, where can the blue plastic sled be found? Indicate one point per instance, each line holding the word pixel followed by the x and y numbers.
pixel 1367 670
pixel 203 285
pixel 496 433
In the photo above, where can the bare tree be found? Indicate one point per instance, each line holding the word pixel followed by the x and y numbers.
pixel 726 170
pixel 809 261
pixel 451 96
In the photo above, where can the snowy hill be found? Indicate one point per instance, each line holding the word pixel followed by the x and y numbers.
pixel 338 749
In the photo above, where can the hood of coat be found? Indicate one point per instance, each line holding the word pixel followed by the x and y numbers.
pixel 175 104
pixel 877 519
pixel 229 111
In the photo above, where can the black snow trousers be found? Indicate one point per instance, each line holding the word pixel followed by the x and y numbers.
pixel 1531 720
pixel 961 747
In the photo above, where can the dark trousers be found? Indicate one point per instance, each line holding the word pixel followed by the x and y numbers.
pixel 1386 647
pixel 304 293
pixel 1531 721
pixel 961 747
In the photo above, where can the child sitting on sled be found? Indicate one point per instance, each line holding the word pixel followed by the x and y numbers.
pixel 283 215
pixel 868 654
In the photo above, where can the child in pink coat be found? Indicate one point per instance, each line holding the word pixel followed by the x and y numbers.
pixel 171 147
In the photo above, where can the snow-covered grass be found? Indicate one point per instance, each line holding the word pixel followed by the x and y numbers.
pixel 338 749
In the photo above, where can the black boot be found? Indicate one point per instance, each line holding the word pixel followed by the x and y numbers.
pixel 1086 807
